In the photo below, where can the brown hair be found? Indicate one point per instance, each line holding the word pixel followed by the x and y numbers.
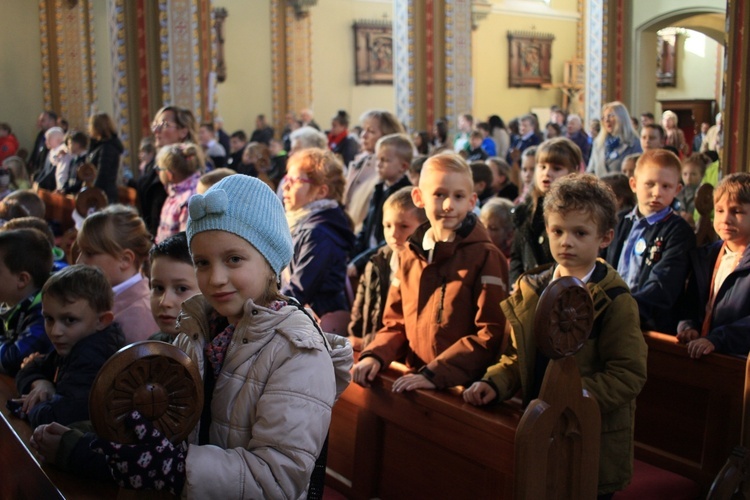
pixel 323 168
pixel 402 201
pixel 700 160
pixel 736 186
pixel 101 127
pixel 560 151
pixel 31 223
pixel 584 193
pixel 401 144
pixel 661 158
pixel 182 160
pixel 262 155
pixel 29 200
pixel 27 250
pixel 113 230
pixel 214 176
pixel 81 282
pixel 184 119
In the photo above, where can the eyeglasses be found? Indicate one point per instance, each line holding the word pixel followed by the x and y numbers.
pixel 293 181
pixel 156 127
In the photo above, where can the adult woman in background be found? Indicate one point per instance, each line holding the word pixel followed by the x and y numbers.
pixel 104 153
pixel 616 140
pixel 675 137
pixel 500 135
pixel 339 140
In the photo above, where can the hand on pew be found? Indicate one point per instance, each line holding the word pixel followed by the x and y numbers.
pixel 700 347
pixel 412 382
pixel 46 440
pixel 480 393
pixel 365 371
pixel 687 335
pixel 41 390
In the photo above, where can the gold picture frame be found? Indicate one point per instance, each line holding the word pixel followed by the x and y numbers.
pixel 373 53
pixel 530 55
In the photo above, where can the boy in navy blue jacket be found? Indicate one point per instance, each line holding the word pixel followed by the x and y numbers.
pixel 25 264
pixel 77 308
pixel 718 298
pixel 652 242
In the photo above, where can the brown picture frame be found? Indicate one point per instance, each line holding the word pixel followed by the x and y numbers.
pixel 666 60
pixel 373 53
pixel 530 56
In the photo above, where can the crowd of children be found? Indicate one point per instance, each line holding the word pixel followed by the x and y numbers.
pixel 437 257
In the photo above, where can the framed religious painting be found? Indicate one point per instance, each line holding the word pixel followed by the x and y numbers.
pixel 373 53
pixel 666 71
pixel 530 54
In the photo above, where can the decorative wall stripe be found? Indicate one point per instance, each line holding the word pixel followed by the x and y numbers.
pixel 429 61
pixel 164 51
pixel 44 34
pixel 403 66
pixel 594 69
pixel 458 58
pixel 120 89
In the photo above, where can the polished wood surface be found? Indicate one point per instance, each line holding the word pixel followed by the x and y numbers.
pixel 22 475
pixel 689 414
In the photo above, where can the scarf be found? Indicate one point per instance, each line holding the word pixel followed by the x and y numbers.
pixel 610 144
pixel 335 140
pixel 295 217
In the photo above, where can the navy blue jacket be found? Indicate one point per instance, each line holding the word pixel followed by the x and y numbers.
pixel 521 144
pixel 23 335
pixel 318 269
pixel 73 376
pixel 729 330
pixel 664 269
pixel 373 224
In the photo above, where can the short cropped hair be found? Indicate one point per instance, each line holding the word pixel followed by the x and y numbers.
pixel 240 135
pixel 81 282
pixel 175 247
pixel 30 201
pixel 560 151
pixel 620 185
pixel 208 126
pixel 736 186
pixel 31 223
pixel 700 160
pixel 584 193
pixel 401 144
pixel 501 209
pixel 657 127
pixel 79 138
pixel 27 250
pixel 661 158
pixel 447 162
pixel 214 176
pixel 481 172
pixel 530 151
pixel 476 134
pixel 402 201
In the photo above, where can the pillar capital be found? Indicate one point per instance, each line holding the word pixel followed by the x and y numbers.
pixel 302 7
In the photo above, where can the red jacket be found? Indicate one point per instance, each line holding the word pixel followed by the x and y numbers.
pixel 444 317
pixel 8 146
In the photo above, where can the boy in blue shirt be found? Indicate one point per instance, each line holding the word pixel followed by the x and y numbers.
pixel 652 242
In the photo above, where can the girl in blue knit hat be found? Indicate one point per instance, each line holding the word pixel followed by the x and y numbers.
pixel 271 375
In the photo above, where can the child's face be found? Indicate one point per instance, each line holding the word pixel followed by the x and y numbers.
pixel 627 167
pixel 475 142
pixel 114 267
pixel 446 197
pixel 11 284
pixel 66 323
pixel 204 136
pixel 500 235
pixel 229 271
pixel 398 225
pixel 732 222
pixel 172 283
pixel 691 174
pixel 524 127
pixel 370 134
pixel 655 187
pixel 651 139
pixel 298 190
pixel 390 167
pixel 547 173
pixel 528 166
pixel 235 144
pixel 574 241
pixel 76 149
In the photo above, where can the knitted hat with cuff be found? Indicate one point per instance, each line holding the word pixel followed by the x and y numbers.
pixel 246 207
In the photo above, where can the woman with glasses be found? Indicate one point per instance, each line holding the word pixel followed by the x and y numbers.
pixel 172 125
pixel 321 231
pixel 616 140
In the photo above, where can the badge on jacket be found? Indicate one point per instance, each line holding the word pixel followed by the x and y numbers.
pixel 655 251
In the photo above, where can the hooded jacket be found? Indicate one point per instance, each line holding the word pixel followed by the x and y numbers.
pixel 612 362
pixel 372 294
pixel 322 243
pixel 442 316
pixel 271 404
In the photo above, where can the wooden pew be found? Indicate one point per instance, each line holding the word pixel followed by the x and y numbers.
pixel 22 475
pixel 689 415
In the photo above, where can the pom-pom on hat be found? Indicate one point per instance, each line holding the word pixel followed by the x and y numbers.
pixel 246 207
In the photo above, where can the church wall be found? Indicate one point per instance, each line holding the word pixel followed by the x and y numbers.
pixel 247 48
pixel 21 69
pixel 492 95
pixel 696 69
pixel 333 79
pixel 103 58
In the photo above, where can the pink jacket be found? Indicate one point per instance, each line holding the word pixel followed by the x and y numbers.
pixel 132 310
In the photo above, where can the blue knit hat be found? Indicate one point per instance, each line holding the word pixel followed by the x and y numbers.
pixel 246 207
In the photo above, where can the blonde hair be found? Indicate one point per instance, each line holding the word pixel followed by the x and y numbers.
pixel 183 159
pixel 323 169
pixel 113 230
pixel 447 162
pixel 262 155
pixel 624 127
pixel 499 208
pixel 16 165
pixel 736 186
pixel 401 144
pixel 402 201
pixel 184 119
